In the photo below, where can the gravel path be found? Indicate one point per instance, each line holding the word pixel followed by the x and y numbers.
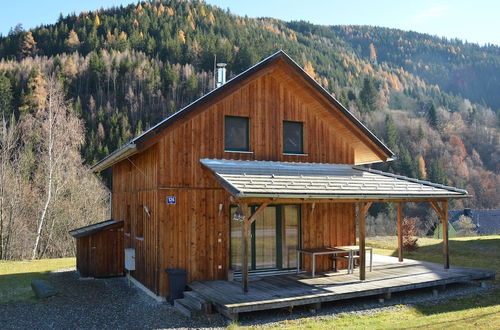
pixel 113 304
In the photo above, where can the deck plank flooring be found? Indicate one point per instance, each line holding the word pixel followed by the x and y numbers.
pixel 279 291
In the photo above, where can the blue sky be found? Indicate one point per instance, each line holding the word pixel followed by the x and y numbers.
pixel 474 21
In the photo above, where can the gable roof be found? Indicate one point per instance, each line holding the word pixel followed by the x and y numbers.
pixel 93 228
pixel 269 179
pixel 487 221
pixel 130 148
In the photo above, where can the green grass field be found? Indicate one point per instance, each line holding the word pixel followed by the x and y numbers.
pixel 16 276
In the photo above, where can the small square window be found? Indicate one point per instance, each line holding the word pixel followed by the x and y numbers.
pixel 293 137
pixel 236 133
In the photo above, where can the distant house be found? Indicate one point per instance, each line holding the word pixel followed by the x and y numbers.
pixel 452 232
pixel 487 221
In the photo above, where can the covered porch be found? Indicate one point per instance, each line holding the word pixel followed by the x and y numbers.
pixel 389 275
pixel 267 183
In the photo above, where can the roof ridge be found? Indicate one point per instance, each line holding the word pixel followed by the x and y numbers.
pixel 280 54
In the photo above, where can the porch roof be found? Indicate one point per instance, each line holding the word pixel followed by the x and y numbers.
pixel 269 179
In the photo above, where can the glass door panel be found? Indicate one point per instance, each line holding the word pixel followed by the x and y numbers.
pixel 264 239
pixel 236 254
pixel 274 238
pixel 290 235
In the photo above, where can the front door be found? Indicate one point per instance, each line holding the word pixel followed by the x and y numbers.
pixel 274 238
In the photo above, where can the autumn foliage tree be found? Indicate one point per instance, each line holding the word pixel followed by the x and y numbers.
pixel 409 232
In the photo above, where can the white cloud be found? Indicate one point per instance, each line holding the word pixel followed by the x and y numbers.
pixel 430 13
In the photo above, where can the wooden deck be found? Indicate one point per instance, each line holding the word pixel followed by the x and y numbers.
pixel 280 291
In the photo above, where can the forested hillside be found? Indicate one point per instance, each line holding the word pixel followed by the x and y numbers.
pixel 123 69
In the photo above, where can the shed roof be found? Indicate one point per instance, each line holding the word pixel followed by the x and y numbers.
pixel 131 147
pixel 271 179
pixel 93 228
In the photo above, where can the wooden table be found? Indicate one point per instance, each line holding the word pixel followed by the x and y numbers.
pixel 320 251
pixel 351 249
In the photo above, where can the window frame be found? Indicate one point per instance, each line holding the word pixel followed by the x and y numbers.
pixel 302 138
pixel 247 134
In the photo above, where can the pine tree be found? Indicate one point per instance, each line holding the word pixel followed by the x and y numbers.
pixel 392 132
pixel 369 95
pixel 432 116
pixel 436 172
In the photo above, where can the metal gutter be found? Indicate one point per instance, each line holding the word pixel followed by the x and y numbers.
pixel 350 196
pixel 127 150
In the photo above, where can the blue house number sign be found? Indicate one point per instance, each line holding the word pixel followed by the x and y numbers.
pixel 171 200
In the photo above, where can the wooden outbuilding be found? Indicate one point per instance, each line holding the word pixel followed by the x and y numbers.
pixel 99 249
pixel 236 182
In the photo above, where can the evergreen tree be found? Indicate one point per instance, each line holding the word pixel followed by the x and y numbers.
pixel 369 95
pixel 432 116
pixel 436 172
pixel 391 132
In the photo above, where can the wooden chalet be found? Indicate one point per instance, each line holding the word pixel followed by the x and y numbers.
pixel 267 163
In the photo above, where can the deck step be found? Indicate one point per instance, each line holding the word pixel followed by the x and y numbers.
pixel 192 304
pixel 198 301
pixel 181 308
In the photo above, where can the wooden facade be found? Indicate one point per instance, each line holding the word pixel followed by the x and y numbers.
pixel 95 256
pixel 193 234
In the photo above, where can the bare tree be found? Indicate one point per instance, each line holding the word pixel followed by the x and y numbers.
pixel 57 136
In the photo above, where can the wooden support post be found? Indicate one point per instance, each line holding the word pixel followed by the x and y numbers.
pixel 400 231
pixel 245 226
pixel 257 212
pixel 442 212
pixel 362 209
pixel 446 252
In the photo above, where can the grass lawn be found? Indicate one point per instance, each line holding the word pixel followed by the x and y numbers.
pixel 16 276
pixel 479 312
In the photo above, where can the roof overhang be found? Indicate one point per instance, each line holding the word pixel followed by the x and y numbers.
pixel 118 155
pixel 94 228
pixel 312 181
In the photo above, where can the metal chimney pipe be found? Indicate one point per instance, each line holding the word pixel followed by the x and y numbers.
pixel 221 74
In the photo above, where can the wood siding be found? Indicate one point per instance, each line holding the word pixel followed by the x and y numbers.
pixel 95 257
pixel 191 234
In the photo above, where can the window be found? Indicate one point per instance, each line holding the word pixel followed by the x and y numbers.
pixel 236 133
pixel 293 138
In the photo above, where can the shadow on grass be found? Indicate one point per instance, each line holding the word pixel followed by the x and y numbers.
pixel 482 253
pixel 461 304
pixel 17 287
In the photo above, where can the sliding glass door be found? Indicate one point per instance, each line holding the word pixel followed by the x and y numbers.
pixel 274 238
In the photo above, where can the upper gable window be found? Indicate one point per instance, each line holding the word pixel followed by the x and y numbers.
pixel 236 137
pixel 293 137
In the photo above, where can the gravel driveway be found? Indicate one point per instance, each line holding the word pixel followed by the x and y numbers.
pixel 113 304
pixel 97 304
